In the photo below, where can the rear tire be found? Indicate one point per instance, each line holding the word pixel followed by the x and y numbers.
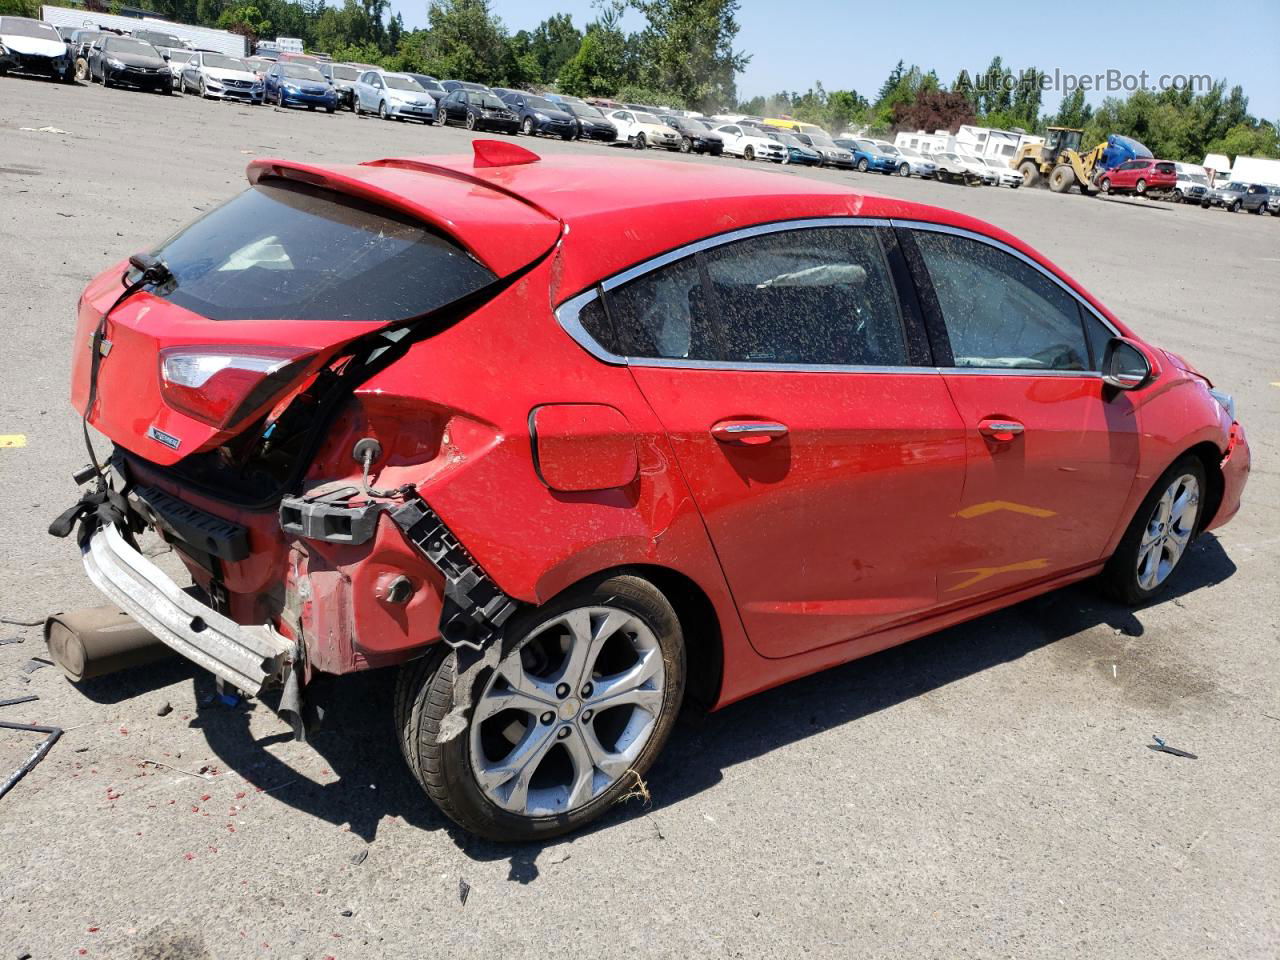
pixel 904 169
pixel 641 142
pixel 1140 188
pixel 748 153
pixel 862 165
pixel 1030 173
pixel 450 771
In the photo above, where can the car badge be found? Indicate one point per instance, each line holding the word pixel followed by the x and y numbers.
pixel 170 441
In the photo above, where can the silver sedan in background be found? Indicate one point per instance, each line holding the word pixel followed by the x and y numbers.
pixel 393 96
pixel 220 77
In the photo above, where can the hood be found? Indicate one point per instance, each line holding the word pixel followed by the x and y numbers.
pixel 33 46
pixel 218 73
pixel 558 115
pixel 136 59
pixel 411 96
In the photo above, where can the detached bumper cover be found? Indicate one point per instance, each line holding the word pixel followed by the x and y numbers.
pixel 250 657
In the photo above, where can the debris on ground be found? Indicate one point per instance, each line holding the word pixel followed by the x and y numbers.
pixel 49 129
pixel 360 856
pixel 1161 747
pixel 344 913
pixel 36 663
pixel 464 891
pixel 638 789
pixel 4 641
pixel 12 700
pixel 164 709
pixel 51 737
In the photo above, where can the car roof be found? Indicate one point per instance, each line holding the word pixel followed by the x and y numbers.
pixel 614 212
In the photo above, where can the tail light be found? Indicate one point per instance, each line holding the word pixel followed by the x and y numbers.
pixel 223 386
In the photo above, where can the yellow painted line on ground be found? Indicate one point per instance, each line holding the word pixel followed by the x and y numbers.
pixel 1275 383
pixel 13 439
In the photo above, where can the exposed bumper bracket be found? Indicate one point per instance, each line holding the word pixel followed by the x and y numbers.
pixel 250 657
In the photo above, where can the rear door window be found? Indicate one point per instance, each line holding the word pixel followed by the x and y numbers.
pixel 817 296
pixel 286 251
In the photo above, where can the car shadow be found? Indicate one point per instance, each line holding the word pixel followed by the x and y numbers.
pixel 372 783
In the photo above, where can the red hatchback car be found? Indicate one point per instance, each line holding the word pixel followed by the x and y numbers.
pixel 1140 177
pixel 568 439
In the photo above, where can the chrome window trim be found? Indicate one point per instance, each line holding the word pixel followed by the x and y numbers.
pixel 568 312
pixel 1018 254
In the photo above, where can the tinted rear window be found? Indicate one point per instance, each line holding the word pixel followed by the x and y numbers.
pixel 1164 167
pixel 288 251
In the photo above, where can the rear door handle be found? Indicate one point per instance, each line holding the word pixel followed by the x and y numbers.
pixel 750 432
pixel 1000 428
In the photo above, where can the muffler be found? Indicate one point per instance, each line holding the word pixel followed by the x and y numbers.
pixel 96 641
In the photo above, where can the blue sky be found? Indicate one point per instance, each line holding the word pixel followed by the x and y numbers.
pixel 855 45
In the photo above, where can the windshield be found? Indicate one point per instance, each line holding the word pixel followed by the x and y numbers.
pixel 477 87
pixel 300 71
pixel 537 103
pixel 179 56
pixel 86 36
pixel 585 110
pixel 788 139
pixel 821 140
pixel 489 102
pixel 22 27
pixel 694 126
pixel 648 118
pixel 403 83
pixel 908 152
pixel 345 73
pixel 129 45
pixel 291 251
pixel 219 62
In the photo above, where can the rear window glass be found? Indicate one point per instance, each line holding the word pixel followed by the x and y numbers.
pixel 289 251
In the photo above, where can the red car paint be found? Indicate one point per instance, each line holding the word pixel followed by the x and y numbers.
pixel 1139 176
pixel 894 505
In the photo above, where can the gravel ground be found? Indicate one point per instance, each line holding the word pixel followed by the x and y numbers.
pixel 987 791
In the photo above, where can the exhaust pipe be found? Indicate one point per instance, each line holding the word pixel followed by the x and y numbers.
pixel 96 641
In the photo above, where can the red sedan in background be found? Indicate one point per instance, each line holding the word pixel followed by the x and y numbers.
pixel 569 439
pixel 1140 177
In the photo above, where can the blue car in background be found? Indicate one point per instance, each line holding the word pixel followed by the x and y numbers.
pixel 867 156
pixel 299 85
pixel 797 152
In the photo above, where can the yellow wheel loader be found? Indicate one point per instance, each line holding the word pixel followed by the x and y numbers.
pixel 1059 161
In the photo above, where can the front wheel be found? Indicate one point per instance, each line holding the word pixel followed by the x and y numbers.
pixel 641 142
pixel 1158 537
pixel 1105 185
pixel 471 121
pixel 280 98
pixel 862 165
pixel 382 110
pixel 686 145
pixel 904 169
pixel 1140 188
pixel 568 721
pixel 749 153
pixel 527 127
pixel 1233 206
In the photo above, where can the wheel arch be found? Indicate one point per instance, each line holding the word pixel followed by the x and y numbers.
pixel 1211 458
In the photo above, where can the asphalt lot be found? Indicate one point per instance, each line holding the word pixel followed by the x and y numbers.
pixel 984 792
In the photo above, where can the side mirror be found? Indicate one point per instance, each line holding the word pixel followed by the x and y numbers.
pixel 1124 365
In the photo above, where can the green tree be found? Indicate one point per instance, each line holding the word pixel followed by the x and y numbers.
pixel 599 68
pixel 465 40
pixel 246 20
pixel 688 49
pixel 1074 111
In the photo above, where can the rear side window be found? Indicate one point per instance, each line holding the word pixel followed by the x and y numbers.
pixel 819 296
pixel 285 251
pixel 999 311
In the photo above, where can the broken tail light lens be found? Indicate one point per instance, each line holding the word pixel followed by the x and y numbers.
pixel 223 386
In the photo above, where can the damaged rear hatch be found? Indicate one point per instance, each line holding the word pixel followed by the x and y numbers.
pixel 264 293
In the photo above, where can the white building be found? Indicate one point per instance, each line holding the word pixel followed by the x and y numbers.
pixel 1256 170
pixel 201 38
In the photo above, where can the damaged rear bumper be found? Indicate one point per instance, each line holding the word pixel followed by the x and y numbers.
pixel 249 657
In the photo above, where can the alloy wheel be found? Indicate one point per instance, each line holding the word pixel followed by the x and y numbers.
pixel 471 121
pixel 566 715
pixel 528 126
pixel 1169 530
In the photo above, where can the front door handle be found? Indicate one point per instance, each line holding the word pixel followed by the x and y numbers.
pixel 1000 428
pixel 751 432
